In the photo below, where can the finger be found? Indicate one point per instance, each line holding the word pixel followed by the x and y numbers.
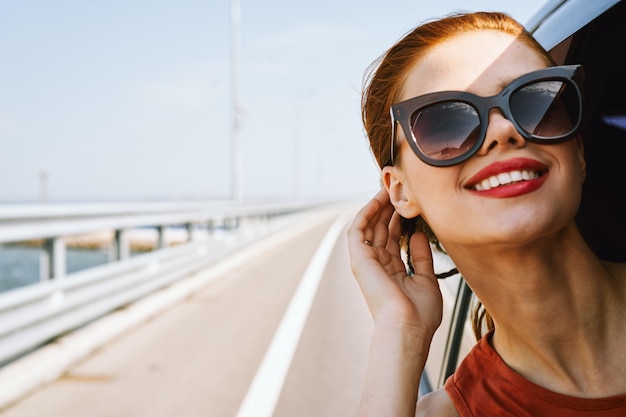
pixel 395 233
pixel 422 256
pixel 381 227
pixel 362 227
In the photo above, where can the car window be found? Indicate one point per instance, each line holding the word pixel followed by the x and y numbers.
pixel 454 338
pixel 601 47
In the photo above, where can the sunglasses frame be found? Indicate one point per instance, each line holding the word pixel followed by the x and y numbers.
pixel 401 112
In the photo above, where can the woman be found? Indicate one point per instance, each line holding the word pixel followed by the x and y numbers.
pixel 475 131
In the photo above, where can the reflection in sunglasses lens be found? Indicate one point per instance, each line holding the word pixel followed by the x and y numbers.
pixel 445 130
pixel 547 109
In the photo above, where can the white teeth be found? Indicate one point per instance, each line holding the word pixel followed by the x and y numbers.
pixel 506 178
pixel 516 176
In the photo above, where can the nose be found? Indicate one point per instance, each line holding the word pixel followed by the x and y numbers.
pixel 501 132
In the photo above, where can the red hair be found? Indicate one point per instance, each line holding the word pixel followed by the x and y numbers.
pixel 386 76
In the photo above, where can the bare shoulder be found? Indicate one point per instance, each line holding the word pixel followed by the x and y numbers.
pixel 436 404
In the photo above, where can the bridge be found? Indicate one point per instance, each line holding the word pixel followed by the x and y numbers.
pixel 253 313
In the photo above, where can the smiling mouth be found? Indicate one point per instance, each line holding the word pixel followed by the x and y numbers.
pixel 507 178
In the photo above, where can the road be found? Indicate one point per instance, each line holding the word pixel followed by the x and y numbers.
pixel 200 356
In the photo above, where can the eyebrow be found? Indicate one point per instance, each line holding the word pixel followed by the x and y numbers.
pixel 472 90
pixel 505 83
pixel 500 85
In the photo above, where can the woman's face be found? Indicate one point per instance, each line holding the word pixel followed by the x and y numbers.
pixel 482 63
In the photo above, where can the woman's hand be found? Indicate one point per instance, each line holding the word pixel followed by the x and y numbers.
pixel 394 298
pixel 407 310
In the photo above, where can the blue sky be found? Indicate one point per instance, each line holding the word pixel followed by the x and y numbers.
pixel 129 100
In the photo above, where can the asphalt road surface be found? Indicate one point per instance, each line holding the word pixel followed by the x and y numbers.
pixel 200 356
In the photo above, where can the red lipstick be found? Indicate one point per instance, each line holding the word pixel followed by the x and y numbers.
pixel 508 178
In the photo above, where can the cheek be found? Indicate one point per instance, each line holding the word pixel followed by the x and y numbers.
pixel 574 169
pixel 435 191
pixel 572 163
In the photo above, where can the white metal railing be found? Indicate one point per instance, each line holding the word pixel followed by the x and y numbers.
pixel 53 223
pixel 32 315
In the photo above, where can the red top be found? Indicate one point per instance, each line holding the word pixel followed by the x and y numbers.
pixel 484 385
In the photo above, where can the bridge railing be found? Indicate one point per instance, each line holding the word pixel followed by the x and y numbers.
pixel 34 314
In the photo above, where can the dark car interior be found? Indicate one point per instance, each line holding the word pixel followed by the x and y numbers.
pixel 601 48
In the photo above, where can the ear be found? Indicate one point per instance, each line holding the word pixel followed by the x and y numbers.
pixel 399 193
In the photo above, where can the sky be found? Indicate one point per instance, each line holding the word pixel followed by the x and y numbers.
pixel 129 100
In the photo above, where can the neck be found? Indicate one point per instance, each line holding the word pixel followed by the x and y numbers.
pixel 557 310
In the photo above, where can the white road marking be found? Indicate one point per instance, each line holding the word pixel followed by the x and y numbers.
pixel 263 394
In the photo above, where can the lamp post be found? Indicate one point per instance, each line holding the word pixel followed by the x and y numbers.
pixel 43 185
pixel 235 122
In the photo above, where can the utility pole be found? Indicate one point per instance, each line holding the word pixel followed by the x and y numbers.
pixel 43 185
pixel 235 126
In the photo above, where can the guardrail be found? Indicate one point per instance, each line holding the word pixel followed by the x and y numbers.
pixel 54 223
pixel 32 315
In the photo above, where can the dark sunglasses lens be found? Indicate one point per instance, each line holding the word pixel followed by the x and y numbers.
pixel 445 130
pixel 546 109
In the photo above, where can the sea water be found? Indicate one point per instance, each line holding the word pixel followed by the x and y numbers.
pixel 20 265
